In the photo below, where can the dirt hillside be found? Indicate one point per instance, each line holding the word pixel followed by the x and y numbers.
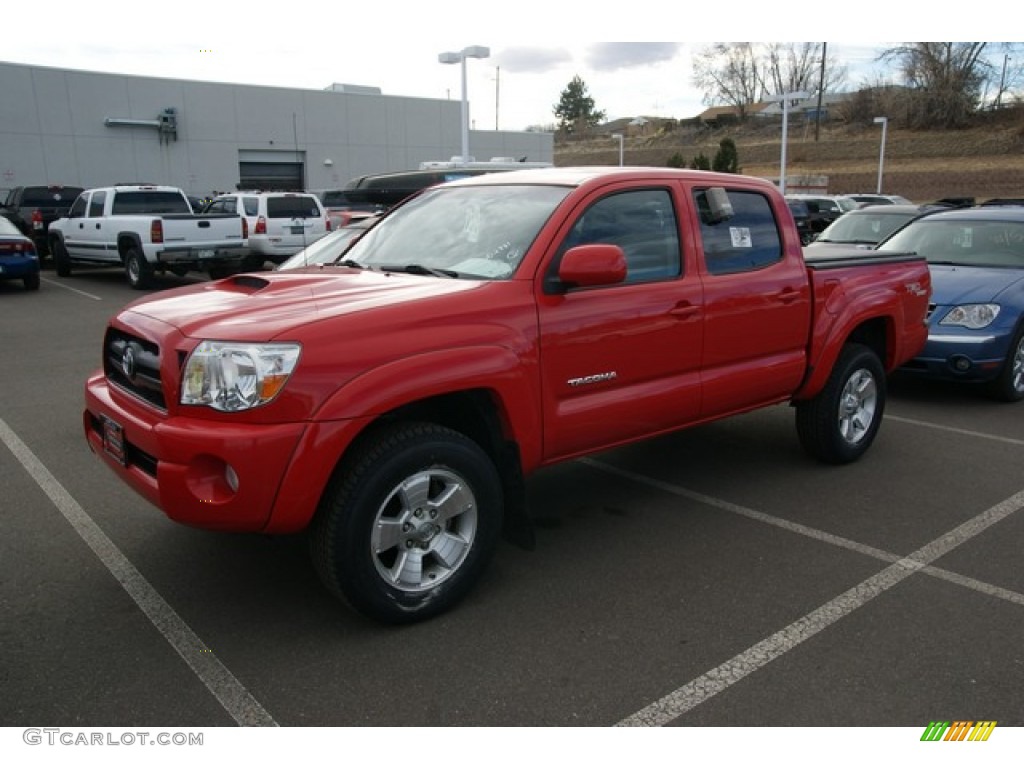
pixel 983 162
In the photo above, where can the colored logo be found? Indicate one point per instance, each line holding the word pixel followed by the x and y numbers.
pixel 959 730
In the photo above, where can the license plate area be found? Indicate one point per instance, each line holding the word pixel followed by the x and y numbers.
pixel 113 440
pixel 298 230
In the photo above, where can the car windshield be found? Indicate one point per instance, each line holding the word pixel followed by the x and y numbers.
pixel 964 243
pixel 324 250
pixel 474 232
pixel 867 228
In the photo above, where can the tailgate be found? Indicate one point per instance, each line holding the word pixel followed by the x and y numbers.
pixel 203 231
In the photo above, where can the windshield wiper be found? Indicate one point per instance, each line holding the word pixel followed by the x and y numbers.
pixel 419 269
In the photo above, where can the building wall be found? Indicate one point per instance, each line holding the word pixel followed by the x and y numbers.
pixel 53 130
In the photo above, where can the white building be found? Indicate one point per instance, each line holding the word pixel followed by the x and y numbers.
pixel 62 126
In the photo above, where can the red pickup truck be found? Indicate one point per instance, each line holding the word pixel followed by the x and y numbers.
pixel 392 403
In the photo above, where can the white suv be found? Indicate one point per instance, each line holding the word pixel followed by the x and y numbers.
pixel 280 223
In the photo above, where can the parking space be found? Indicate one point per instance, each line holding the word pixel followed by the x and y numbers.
pixel 716 577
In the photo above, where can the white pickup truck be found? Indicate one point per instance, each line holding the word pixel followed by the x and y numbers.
pixel 147 229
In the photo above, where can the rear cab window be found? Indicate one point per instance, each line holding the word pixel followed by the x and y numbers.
pixel 748 241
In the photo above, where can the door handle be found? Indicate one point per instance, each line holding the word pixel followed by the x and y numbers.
pixel 788 295
pixel 684 310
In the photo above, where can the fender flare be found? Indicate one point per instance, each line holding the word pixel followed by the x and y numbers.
pixel 416 378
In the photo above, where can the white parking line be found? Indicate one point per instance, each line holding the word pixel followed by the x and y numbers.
pixel 59 284
pixel 225 687
pixel 956 430
pixel 699 690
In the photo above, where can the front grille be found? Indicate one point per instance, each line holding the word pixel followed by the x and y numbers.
pixel 133 364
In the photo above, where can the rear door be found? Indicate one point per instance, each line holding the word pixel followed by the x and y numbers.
pixel 757 305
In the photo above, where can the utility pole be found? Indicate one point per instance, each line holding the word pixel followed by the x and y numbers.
pixel 821 92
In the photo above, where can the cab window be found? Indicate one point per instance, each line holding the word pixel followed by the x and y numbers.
pixel 643 224
pixel 747 241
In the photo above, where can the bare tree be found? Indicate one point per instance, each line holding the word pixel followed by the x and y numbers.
pixel 740 74
pixel 730 75
pixel 946 81
pixel 792 67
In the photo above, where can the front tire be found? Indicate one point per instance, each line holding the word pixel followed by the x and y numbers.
pixel 1009 386
pixel 839 424
pixel 137 269
pixel 408 523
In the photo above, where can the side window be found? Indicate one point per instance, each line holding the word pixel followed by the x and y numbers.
pixel 96 204
pixel 747 241
pixel 642 223
pixel 78 209
pixel 252 205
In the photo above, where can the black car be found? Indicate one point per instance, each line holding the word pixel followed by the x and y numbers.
pixel 34 208
pixel 802 217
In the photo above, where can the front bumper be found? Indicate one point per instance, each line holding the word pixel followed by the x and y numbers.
pixel 960 354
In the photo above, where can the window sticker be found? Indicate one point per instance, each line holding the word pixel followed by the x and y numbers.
pixel 740 237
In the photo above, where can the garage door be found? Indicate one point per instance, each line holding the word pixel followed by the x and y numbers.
pixel 271 176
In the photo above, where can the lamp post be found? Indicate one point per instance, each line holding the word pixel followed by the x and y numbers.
pixel 785 98
pixel 459 57
pixel 881 152
pixel 621 139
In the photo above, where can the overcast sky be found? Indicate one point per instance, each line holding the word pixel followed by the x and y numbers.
pixel 395 47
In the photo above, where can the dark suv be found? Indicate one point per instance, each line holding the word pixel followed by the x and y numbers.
pixel 33 208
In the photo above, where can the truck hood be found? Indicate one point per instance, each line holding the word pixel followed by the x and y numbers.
pixel 265 306
pixel 952 285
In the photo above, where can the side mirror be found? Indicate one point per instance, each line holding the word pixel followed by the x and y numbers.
pixel 588 266
pixel 719 207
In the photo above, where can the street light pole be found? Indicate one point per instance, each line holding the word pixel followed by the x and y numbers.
pixel 785 98
pixel 621 139
pixel 881 152
pixel 459 57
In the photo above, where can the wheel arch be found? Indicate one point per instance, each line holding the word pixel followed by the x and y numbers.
pixel 875 333
pixel 126 240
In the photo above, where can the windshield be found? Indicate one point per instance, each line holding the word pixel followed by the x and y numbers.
pixel 966 243
pixel 324 250
pixel 468 232
pixel 867 228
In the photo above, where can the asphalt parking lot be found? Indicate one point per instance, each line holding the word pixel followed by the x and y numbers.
pixel 716 577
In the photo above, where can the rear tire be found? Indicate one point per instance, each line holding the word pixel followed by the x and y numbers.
pixel 839 424
pixel 31 282
pixel 408 523
pixel 1009 385
pixel 137 269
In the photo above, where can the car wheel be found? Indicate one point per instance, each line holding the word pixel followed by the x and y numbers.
pixel 61 260
pixel 31 282
pixel 1009 385
pixel 408 523
pixel 137 269
pixel 840 423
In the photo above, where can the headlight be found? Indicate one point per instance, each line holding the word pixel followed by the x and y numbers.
pixel 228 376
pixel 972 316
